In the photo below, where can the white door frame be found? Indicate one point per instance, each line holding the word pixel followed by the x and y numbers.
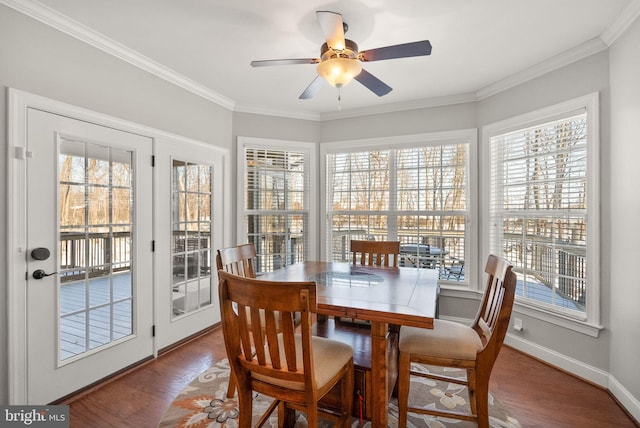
pixel 18 103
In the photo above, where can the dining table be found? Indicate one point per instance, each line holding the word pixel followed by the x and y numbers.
pixel 382 296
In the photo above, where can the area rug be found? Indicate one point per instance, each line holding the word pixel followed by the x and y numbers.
pixel 203 403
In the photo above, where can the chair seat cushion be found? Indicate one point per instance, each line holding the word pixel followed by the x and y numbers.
pixel 329 357
pixel 447 339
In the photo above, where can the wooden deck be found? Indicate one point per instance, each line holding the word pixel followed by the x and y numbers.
pixel 539 291
pixel 90 317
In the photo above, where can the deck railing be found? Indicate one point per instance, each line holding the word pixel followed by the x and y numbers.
pixel 275 252
pixel 453 246
pixel 556 265
pixel 94 253
pixel 572 270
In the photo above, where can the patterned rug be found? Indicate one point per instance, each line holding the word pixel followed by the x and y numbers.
pixel 203 403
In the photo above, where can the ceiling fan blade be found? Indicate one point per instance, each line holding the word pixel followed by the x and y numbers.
pixel 332 28
pixel 312 89
pixel 372 83
pixel 268 62
pixel 397 51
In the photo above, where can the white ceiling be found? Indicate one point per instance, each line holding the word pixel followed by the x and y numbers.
pixel 479 46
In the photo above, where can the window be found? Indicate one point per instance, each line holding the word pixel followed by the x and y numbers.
pixel 96 201
pixel 543 206
pixel 412 189
pixel 191 192
pixel 275 202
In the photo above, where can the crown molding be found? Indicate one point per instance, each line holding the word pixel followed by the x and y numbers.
pixel 63 23
pixel 621 23
pixel 584 50
pixel 626 17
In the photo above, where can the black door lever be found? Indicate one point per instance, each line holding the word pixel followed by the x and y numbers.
pixel 39 274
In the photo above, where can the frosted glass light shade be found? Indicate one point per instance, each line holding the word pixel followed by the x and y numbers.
pixel 339 71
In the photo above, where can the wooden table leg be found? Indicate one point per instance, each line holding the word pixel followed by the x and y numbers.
pixel 379 386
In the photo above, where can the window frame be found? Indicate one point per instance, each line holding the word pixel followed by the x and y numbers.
pixel 310 151
pixel 467 136
pixel 590 324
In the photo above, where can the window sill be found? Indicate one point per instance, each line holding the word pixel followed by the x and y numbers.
pixel 459 291
pixel 581 326
pixel 584 327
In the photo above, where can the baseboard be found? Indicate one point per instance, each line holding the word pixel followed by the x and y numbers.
pixel 571 365
pixel 625 398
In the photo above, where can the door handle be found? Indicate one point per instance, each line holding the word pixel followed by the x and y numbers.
pixel 39 274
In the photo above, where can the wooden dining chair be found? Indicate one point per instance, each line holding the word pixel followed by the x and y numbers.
pixel 296 369
pixel 449 344
pixel 238 260
pixel 375 253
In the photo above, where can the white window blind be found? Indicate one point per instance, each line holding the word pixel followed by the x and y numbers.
pixel 359 196
pixel 276 206
pixel 538 211
pixel 417 195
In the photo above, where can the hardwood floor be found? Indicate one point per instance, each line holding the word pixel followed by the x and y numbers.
pixel 539 395
pixel 536 394
pixel 140 398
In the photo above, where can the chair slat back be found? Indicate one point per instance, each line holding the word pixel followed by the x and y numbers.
pixel 375 253
pixel 494 314
pixel 237 260
pixel 260 337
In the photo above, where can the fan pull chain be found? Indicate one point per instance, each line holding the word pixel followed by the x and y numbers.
pixel 339 100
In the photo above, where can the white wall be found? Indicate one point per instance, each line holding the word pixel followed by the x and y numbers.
pixel 625 212
pixel 38 59
pixel 409 122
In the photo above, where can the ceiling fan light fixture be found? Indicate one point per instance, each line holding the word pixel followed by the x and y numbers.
pixel 339 71
pixel 339 61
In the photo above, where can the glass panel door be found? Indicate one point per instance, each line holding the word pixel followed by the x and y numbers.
pixel 90 260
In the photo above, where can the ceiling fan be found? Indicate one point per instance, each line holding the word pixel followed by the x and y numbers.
pixel 340 59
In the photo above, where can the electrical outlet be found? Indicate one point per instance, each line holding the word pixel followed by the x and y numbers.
pixel 517 324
